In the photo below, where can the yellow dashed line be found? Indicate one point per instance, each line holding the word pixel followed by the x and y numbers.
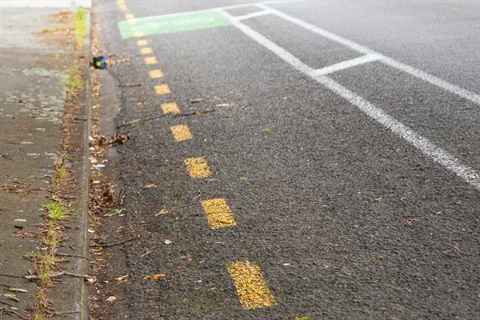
pixel 218 213
pixel 154 74
pixel 252 290
pixel 170 107
pixel 181 132
pixel 146 50
pixel 138 34
pixel 197 167
pixel 121 1
pixel 150 60
pixel 142 42
pixel 131 21
pixel 162 89
pixel 129 16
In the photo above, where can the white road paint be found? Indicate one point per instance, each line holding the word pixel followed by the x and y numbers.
pixel 45 3
pixel 345 64
pixel 386 60
pixel 253 15
pixel 423 144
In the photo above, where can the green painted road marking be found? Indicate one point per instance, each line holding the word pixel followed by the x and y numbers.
pixel 173 23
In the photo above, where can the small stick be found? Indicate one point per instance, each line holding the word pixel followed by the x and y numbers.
pixel 112 244
pixel 72 255
pixel 59 274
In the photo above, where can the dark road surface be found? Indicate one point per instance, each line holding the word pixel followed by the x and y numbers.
pixel 283 189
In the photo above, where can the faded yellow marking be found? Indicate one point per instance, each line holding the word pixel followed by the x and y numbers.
pixel 129 16
pixel 146 50
pixel 121 1
pixel 154 74
pixel 150 60
pixel 138 34
pixel 170 107
pixel 197 167
pixel 162 89
pixel 181 132
pixel 131 21
pixel 142 42
pixel 252 290
pixel 218 213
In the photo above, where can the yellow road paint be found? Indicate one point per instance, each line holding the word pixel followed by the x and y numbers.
pixel 252 290
pixel 121 1
pixel 131 21
pixel 154 74
pixel 129 16
pixel 218 213
pixel 162 89
pixel 197 167
pixel 181 132
pixel 150 60
pixel 138 34
pixel 170 107
pixel 142 42
pixel 146 50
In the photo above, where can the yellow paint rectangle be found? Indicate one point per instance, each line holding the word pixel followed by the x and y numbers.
pixel 129 16
pixel 181 132
pixel 251 289
pixel 162 89
pixel 218 213
pixel 155 74
pixel 142 42
pixel 146 50
pixel 170 107
pixel 139 34
pixel 197 167
pixel 150 60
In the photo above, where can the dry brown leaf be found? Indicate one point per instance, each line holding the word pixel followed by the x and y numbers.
pixel 121 278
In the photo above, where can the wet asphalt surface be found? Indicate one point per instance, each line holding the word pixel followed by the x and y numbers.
pixel 345 219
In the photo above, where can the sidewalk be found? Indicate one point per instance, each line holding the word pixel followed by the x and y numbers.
pixel 35 59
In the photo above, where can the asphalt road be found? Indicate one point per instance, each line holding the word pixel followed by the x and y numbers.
pixel 323 164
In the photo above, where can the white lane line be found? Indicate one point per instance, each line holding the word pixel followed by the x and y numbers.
pixel 346 64
pixel 253 15
pixel 386 60
pixel 423 144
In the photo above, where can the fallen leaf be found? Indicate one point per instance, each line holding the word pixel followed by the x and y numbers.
pixel 12 297
pixel 159 275
pixel 121 278
pixel 111 299
pixel 114 212
pixel 161 213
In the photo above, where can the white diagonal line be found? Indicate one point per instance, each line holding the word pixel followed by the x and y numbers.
pixel 346 64
pixel 253 15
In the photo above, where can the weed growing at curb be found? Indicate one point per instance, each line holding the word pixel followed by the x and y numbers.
pixel 80 25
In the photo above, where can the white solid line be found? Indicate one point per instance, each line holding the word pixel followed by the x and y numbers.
pixel 346 64
pixel 386 60
pixel 423 144
pixel 253 15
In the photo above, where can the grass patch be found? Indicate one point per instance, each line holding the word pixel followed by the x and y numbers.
pixel 80 24
pixel 55 211
pixel 74 82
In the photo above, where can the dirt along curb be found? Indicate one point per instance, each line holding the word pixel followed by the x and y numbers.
pixel 45 120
